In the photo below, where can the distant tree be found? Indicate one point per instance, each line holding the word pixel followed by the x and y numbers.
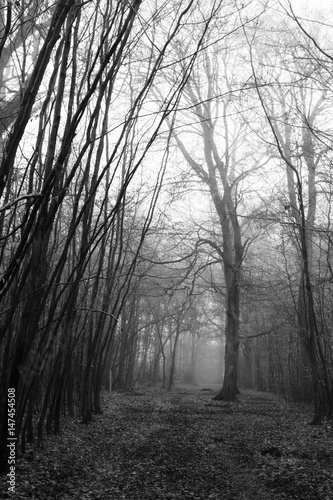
pixel 205 114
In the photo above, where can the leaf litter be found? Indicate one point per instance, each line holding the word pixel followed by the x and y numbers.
pixel 157 445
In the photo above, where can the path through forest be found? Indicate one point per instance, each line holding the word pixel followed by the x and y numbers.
pixel 151 445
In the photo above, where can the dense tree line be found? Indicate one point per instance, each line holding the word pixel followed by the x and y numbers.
pixel 77 124
pixel 166 193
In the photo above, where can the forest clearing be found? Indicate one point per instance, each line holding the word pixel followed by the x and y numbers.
pixel 183 445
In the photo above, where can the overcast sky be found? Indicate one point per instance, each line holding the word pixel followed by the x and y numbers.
pixel 311 6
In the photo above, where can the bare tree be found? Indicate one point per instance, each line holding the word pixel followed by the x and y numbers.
pixel 219 164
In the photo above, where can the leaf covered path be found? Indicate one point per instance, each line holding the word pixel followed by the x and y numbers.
pixel 150 445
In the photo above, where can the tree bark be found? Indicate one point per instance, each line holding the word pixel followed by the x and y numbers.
pixel 229 389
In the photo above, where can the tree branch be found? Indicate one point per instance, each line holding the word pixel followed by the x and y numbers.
pixel 20 198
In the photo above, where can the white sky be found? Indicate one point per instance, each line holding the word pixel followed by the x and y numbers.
pixel 303 7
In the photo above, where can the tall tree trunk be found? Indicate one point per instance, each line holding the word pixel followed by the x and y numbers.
pixel 229 389
pixel 173 360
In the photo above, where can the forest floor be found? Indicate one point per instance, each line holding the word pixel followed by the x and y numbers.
pixel 154 445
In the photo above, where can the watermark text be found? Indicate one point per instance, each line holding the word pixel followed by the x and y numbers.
pixel 11 440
